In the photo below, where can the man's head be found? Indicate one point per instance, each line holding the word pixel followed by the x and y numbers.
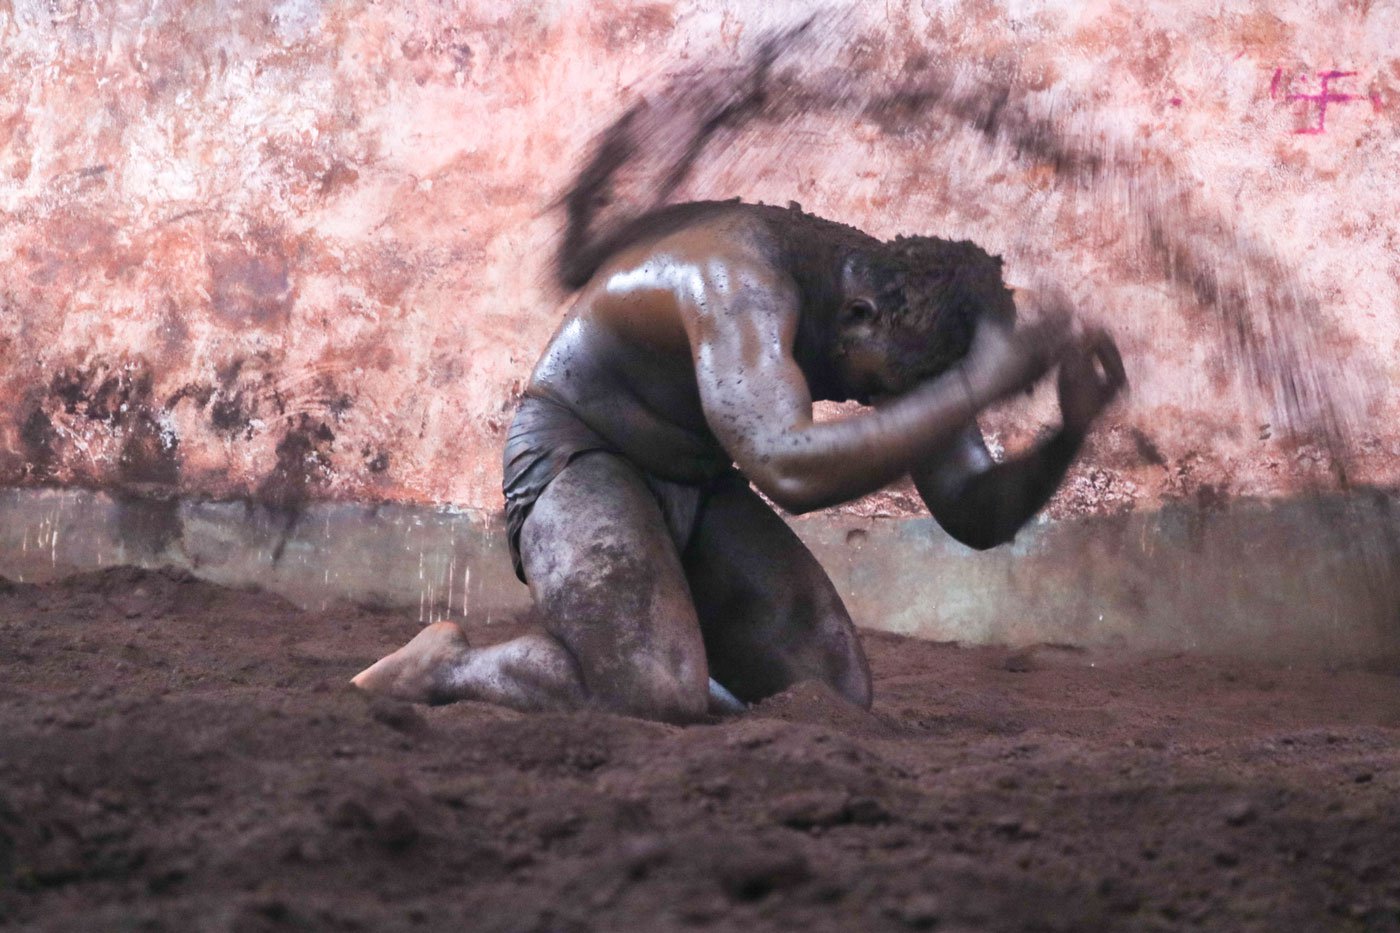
pixel 909 308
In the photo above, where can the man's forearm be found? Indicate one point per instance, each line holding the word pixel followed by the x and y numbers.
pixel 994 504
pixel 837 461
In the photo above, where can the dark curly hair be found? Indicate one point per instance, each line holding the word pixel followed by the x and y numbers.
pixel 933 292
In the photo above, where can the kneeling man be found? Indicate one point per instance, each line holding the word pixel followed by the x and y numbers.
pixel 686 371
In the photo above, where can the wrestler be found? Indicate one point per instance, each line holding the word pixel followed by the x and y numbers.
pixel 686 371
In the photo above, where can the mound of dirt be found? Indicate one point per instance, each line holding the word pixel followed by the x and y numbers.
pixel 179 756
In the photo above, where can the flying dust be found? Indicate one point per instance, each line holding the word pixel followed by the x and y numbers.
pixel 1267 328
pixel 1268 324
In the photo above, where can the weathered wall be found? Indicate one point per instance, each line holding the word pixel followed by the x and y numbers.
pixel 295 250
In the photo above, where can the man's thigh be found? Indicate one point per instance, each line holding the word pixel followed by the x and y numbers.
pixel 769 613
pixel 606 577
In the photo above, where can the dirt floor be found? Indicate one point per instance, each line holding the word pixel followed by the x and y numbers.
pixel 178 756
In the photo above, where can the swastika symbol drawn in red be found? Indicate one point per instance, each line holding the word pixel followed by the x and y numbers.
pixel 1319 101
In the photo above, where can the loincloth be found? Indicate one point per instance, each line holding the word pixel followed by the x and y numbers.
pixel 546 437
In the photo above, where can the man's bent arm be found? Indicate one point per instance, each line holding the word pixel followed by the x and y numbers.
pixel 743 325
pixel 982 503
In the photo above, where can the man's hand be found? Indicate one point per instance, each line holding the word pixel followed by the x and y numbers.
pixel 983 503
pixel 1091 376
pixel 1003 361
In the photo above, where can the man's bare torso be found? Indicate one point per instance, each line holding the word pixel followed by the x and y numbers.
pixel 623 359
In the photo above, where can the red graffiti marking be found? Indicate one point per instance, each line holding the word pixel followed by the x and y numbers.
pixel 1325 96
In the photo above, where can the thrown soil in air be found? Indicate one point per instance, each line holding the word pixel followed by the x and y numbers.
pixel 179 756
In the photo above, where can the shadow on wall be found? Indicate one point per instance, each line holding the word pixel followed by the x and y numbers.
pixel 143 443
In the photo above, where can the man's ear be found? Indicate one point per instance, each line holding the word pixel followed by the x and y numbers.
pixel 857 311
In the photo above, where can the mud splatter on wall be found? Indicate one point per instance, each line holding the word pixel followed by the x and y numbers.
pixel 295 250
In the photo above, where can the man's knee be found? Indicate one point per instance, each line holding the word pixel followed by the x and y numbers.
pixel 666 697
pixel 671 686
pixel 679 705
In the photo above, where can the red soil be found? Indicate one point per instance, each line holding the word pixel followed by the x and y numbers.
pixel 174 755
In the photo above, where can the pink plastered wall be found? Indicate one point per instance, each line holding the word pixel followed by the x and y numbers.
pixel 298 250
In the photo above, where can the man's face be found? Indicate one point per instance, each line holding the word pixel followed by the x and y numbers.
pixel 864 371
pixel 879 355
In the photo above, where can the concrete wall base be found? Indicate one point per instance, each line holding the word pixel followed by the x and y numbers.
pixel 1311 578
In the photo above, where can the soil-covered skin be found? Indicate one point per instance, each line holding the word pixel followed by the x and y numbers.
pixel 178 756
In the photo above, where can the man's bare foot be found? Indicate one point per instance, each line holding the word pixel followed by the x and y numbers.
pixel 421 671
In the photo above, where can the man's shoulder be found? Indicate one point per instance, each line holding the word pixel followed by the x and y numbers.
pixel 712 250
